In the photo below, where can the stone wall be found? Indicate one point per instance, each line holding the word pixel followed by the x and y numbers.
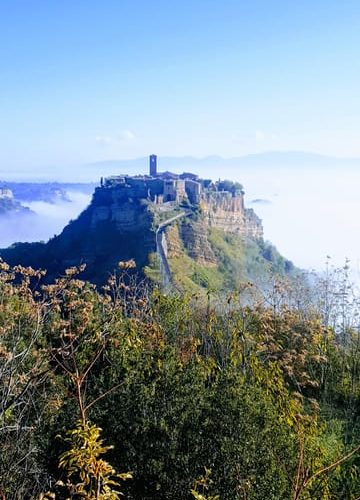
pixel 193 190
pixel 174 190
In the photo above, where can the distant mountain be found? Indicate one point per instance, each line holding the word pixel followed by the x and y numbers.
pixel 10 205
pixel 208 166
pixel 49 192
pixel 225 166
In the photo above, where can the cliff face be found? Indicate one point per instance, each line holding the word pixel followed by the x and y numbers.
pixel 224 211
pixel 128 214
pixel 195 238
pixel 110 230
pixel 120 224
pixel 192 238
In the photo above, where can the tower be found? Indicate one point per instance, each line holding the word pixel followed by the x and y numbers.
pixel 153 165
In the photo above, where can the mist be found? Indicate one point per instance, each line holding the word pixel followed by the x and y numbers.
pixel 313 213
pixel 46 220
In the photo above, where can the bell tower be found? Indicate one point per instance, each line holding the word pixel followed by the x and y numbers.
pixel 153 165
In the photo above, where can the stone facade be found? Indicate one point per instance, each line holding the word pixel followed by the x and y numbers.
pixel 174 190
pixel 193 191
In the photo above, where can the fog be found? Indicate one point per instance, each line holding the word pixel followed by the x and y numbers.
pixel 313 212
pixel 47 220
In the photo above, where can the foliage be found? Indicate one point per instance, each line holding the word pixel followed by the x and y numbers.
pixel 202 484
pixel 242 259
pixel 231 186
pixel 257 387
pixel 239 260
pixel 95 479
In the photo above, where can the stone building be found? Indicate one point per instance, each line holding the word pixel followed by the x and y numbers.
pixel 6 193
pixel 193 191
pixel 174 190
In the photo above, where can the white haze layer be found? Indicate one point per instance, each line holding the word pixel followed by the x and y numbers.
pixel 50 219
pixel 313 213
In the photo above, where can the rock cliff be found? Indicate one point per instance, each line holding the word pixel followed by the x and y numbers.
pixel 128 214
pixel 110 230
pixel 120 224
pixel 223 210
pixel 196 242
pixel 190 237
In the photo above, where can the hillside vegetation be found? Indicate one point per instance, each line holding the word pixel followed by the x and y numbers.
pixel 215 260
pixel 205 258
pixel 183 399
pixel 101 247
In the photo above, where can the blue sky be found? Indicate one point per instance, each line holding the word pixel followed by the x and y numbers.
pixel 90 80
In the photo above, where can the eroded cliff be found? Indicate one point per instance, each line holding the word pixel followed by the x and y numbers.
pixel 223 210
pixel 121 223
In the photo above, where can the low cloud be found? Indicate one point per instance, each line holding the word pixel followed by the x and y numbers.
pixel 259 135
pixel 46 219
pixel 126 136
pixel 123 136
pixel 103 140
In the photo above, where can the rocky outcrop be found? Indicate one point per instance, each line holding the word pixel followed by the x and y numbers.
pixel 123 223
pixel 191 237
pixel 253 224
pixel 226 211
pixel 174 244
pixel 127 213
pixel 195 239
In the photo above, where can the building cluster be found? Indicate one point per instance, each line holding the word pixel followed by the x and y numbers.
pixel 6 194
pixel 164 187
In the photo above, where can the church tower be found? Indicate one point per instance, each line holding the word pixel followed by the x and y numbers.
pixel 153 165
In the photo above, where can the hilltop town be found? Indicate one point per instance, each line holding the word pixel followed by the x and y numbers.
pixel 221 202
pixel 181 230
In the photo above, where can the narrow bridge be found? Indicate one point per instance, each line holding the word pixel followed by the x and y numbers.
pixel 161 248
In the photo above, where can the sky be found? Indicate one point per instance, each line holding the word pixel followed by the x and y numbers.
pixel 88 80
